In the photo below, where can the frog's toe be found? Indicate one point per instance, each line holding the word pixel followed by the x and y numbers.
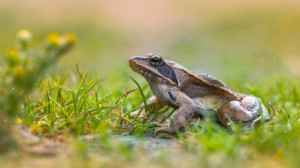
pixel 169 130
pixel 257 121
pixel 163 128
pixel 159 124
pixel 137 112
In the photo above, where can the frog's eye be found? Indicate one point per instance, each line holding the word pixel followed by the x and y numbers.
pixel 156 60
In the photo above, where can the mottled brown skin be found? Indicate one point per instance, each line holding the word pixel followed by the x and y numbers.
pixel 191 94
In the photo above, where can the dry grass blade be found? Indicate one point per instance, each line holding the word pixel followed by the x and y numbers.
pixel 274 110
pixel 124 118
pixel 124 95
pixel 78 71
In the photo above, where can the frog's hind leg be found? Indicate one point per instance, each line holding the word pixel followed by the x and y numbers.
pixel 235 111
pixel 244 110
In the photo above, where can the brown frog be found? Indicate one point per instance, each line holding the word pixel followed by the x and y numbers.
pixel 175 86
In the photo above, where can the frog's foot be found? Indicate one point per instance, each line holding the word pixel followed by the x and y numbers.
pixel 233 110
pixel 159 124
pixel 165 128
pixel 158 105
pixel 255 105
pixel 136 112
pixel 258 120
pixel 169 130
pixel 255 122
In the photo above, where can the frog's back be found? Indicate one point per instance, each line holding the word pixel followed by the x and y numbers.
pixel 212 81
pixel 198 85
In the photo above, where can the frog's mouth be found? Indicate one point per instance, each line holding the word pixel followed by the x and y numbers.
pixel 141 66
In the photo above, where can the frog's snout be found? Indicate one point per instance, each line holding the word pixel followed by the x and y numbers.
pixel 137 60
pixel 131 62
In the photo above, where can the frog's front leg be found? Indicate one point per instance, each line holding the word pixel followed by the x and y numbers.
pixel 158 105
pixel 246 110
pixel 181 117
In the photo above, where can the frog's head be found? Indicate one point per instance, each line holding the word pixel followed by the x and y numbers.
pixel 154 68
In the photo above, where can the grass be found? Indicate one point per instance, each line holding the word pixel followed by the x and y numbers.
pixel 90 109
pixel 87 109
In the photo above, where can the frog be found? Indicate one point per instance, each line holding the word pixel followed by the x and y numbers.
pixel 193 95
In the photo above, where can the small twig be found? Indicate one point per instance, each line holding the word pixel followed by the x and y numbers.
pixel 124 95
pixel 119 130
pixel 78 71
pixel 126 119
pixel 274 109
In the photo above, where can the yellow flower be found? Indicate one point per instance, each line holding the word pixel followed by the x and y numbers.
pixel 53 39
pixel 24 36
pixel 60 43
pixel 12 57
pixel 12 53
pixel 66 41
pixel 71 38
pixel 19 73
pixel 20 121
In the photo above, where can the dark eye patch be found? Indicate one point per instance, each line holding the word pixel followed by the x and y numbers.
pixel 167 72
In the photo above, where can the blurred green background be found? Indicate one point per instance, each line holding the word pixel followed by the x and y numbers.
pixel 221 38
